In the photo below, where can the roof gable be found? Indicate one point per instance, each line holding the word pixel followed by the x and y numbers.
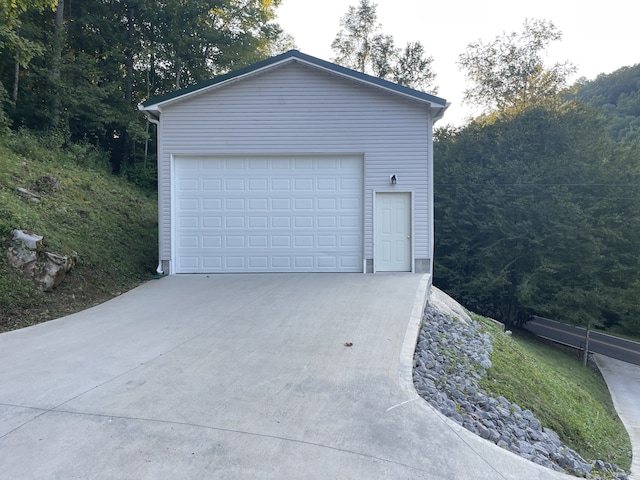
pixel 154 105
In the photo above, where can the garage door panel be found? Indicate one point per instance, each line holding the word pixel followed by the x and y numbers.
pixel 302 204
pixel 237 204
pixel 303 221
pixel 258 185
pixel 327 184
pixel 234 241
pixel 233 185
pixel 258 241
pixel 327 262
pixel 211 185
pixel 271 214
pixel 233 262
pixel 303 184
pixel 281 263
pixel 303 262
pixel 212 263
pixel 209 221
pixel 326 221
pixel 278 221
pixel 188 222
pixel 211 241
pixel 212 204
pixel 186 204
pixel 349 184
pixel 303 164
pixel 261 263
pixel 303 241
pixel 349 241
pixel 189 262
pixel 349 221
pixel 281 204
pixel 350 204
pixel 280 241
pixel 349 262
pixel 258 222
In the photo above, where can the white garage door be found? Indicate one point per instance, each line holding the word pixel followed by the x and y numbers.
pixel 268 214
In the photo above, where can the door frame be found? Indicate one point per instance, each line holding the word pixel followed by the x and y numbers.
pixel 411 226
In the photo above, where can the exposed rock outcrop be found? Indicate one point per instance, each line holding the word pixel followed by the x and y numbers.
pixel 24 193
pixel 47 184
pixel 46 270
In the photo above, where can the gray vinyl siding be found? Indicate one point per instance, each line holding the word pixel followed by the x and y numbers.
pixel 297 109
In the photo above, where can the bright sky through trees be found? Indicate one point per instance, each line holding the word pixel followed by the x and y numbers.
pixel 596 38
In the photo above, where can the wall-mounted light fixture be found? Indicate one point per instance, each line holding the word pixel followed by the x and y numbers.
pixel 393 180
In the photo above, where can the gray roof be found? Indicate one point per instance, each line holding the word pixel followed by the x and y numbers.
pixel 154 105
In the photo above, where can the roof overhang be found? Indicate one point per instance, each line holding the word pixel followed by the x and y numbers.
pixel 153 107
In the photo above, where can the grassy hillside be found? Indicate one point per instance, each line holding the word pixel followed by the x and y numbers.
pixel 551 381
pixel 110 223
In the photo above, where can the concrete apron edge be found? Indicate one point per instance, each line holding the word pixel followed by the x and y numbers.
pixel 411 339
pixel 405 380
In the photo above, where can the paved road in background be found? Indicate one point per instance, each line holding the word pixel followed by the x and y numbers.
pixel 601 343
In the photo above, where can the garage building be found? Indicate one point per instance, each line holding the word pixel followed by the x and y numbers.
pixel 295 164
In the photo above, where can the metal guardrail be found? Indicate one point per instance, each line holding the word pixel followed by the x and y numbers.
pixel 571 336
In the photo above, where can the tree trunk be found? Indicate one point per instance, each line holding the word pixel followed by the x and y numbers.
pixel 16 80
pixel 55 64
pixel 146 143
pixel 129 57
pixel 150 77
pixel 126 158
pixel 178 68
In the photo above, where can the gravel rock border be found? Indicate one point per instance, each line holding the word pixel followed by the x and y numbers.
pixel 450 357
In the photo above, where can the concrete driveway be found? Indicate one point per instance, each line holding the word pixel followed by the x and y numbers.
pixel 623 380
pixel 235 377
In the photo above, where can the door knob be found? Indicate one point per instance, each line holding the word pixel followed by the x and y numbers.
pixel 408 237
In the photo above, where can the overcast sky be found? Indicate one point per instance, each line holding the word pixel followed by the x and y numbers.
pixel 597 37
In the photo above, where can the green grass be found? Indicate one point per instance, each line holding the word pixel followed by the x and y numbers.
pixel 109 222
pixel 565 396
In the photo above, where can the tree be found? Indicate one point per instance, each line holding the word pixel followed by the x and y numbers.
pixel 509 72
pixel 617 95
pixel 360 45
pixel 56 59
pixel 196 40
pixel 413 68
pixel 21 50
pixel 97 59
pixel 537 213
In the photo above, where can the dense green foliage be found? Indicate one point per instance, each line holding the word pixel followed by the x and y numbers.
pixel 81 68
pixel 538 213
pixel 564 396
pixel 110 223
pixel 617 95
pixel 537 207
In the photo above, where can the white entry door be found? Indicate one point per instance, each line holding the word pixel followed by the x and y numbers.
pixel 393 232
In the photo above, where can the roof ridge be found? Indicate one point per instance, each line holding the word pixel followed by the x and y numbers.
pixel 278 59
